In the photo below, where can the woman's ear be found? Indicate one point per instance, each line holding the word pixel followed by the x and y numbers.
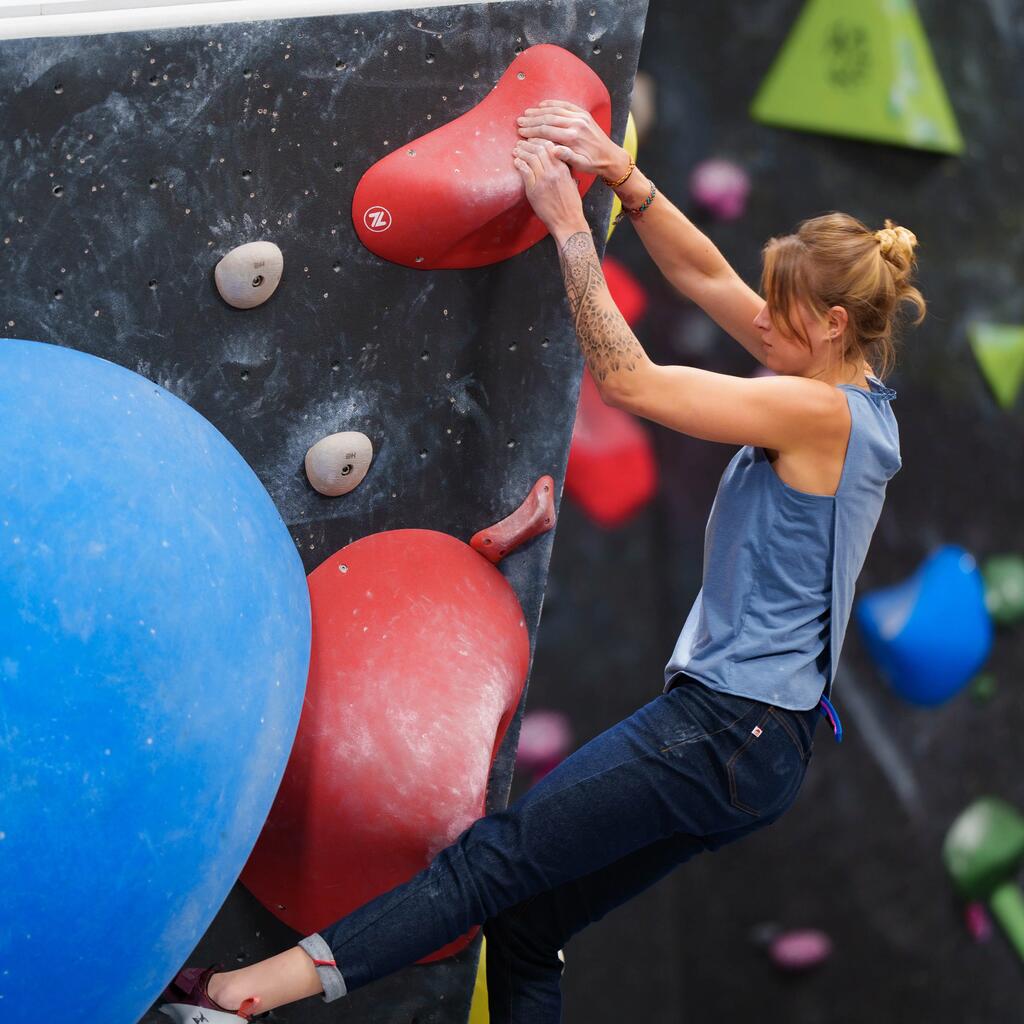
pixel 838 319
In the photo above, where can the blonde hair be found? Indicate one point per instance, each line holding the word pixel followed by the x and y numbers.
pixel 835 260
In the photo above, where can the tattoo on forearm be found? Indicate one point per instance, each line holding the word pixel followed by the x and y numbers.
pixel 607 342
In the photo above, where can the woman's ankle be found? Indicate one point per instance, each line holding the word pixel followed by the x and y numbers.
pixel 218 988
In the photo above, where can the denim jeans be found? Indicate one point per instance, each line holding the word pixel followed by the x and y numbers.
pixel 692 770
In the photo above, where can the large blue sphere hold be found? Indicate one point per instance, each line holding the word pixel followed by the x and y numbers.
pixel 154 648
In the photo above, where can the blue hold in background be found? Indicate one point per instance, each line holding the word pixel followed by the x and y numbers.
pixel 931 633
pixel 154 649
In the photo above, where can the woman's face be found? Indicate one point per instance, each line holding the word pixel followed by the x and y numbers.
pixel 785 353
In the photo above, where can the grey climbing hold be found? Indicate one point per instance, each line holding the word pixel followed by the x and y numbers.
pixel 249 274
pixel 336 464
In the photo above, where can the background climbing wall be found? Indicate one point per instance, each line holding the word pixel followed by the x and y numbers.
pixel 132 162
pixel 859 855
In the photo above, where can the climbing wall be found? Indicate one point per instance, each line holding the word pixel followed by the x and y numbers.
pixel 133 161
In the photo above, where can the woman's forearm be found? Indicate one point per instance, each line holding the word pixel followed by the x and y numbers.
pixel 609 346
pixel 682 252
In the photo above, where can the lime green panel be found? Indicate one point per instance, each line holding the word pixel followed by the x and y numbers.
pixel 999 350
pixel 861 68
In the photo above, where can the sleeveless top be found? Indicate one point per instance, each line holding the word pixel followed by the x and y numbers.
pixel 781 565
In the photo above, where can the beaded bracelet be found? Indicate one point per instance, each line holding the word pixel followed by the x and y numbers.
pixel 640 209
pixel 643 206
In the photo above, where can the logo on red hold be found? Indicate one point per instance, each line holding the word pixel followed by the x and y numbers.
pixel 377 218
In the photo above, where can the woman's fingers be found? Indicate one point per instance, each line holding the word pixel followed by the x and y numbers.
pixel 532 160
pixel 525 170
pixel 560 103
pixel 545 131
pixel 566 120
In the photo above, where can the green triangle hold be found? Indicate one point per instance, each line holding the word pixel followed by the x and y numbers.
pixel 860 68
pixel 999 350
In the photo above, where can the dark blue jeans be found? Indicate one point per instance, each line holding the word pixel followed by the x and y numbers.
pixel 692 770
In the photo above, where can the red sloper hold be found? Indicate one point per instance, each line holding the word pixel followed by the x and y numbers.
pixel 612 472
pixel 419 659
pixel 453 198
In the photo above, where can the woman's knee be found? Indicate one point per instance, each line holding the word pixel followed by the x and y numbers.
pixel 517 932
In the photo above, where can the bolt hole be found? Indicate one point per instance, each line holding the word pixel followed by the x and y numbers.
pixel 154 80
pixel 597 48
pixel 338 166
pixel 152 285
pixel 487 540
pixel 520 76
pixel 423 453
pixel 58 190
pixel 425 355
pixel 247 73
pixel 257 281
pixel 245 375
pixel 335 365
pixel 58 294
pixel 153 182
pixel 346 469
pixel 430 58
pixel 58 88
pixel 337 266
pixel 513 347
pixel 246 174
pixel 340 65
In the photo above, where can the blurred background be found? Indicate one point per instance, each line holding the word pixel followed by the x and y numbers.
pixel 928 689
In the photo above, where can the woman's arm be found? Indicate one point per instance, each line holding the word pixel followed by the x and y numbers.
pixel 773 412
pixel 688 258
pixel 684 255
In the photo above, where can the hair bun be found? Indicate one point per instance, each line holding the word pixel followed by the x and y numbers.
pixel 897 243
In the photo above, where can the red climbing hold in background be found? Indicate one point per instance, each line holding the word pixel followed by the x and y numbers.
pixel 612 472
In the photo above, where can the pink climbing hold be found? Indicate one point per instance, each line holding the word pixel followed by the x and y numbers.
pixel 721 187
pixel 800 949
pixel 978 922
pixel 544 741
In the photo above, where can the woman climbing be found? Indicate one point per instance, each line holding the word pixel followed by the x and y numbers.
pixel 723 750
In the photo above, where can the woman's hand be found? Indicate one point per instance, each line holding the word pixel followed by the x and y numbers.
pixel 550 187
pixel 576 136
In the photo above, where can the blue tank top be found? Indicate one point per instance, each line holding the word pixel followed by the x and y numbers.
pixel 781 566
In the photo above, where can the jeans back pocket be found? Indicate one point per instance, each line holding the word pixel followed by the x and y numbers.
pixel 766 767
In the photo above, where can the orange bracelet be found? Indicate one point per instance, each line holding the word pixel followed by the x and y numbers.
pixel 615 184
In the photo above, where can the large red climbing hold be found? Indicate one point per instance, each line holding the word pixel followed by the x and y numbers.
pixel 453 198
pixel 420 651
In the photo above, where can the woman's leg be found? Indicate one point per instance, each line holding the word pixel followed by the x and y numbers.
pixel 524 970
pixel 673 766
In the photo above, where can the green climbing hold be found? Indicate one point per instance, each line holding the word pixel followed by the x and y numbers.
pixel 1004 588
pixel 863 70
pixel 983 687
pixel 999 350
